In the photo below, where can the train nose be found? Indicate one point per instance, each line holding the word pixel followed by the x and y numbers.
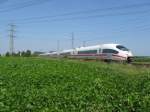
pixel 130 57
pixel 130 54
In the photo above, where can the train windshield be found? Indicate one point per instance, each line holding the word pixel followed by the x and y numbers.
pixel 122 48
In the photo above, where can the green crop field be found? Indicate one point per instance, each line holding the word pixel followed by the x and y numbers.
pixel 48 85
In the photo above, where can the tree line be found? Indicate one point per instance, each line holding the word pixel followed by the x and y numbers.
pixel 26 53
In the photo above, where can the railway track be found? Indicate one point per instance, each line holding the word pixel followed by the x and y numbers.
pixel 137 64
pixel 141 64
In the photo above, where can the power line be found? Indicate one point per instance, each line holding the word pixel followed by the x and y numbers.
pixel 91 16
pixel 89 11
pixel 23 5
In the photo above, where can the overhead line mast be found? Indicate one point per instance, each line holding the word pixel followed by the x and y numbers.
pixel 84 43
pixel 58 47
pixel 72 40
pixel 11 38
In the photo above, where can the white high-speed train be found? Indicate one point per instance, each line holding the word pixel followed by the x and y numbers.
pixel 107 52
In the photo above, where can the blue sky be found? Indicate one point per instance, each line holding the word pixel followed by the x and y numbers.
pixel 129 26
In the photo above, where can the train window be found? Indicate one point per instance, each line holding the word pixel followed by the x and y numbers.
pixel 110 51
pixel 122 48
pixel 67 53
pixel 88 52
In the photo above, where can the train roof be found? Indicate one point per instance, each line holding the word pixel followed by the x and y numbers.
pixel 85 48
pixel 97 46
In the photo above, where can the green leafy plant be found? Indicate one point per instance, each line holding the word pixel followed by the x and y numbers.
pixel 51 85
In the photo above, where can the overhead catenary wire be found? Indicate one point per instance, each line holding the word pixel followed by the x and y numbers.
pixel 85 17
pixel 92 16
pixel 88 17
pixel 22 5
pixel 88 11
pixel 95 16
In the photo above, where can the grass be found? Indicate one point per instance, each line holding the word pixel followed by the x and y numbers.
pixel 51 85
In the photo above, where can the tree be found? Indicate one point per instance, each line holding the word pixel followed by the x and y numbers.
pixel 22 53
pixel 7 54
pixel 14 54
pixel 28 53
pixel 18 53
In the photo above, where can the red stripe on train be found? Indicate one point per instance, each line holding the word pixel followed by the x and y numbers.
pixel 90 55
pixel 98 55
pixel 118 56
